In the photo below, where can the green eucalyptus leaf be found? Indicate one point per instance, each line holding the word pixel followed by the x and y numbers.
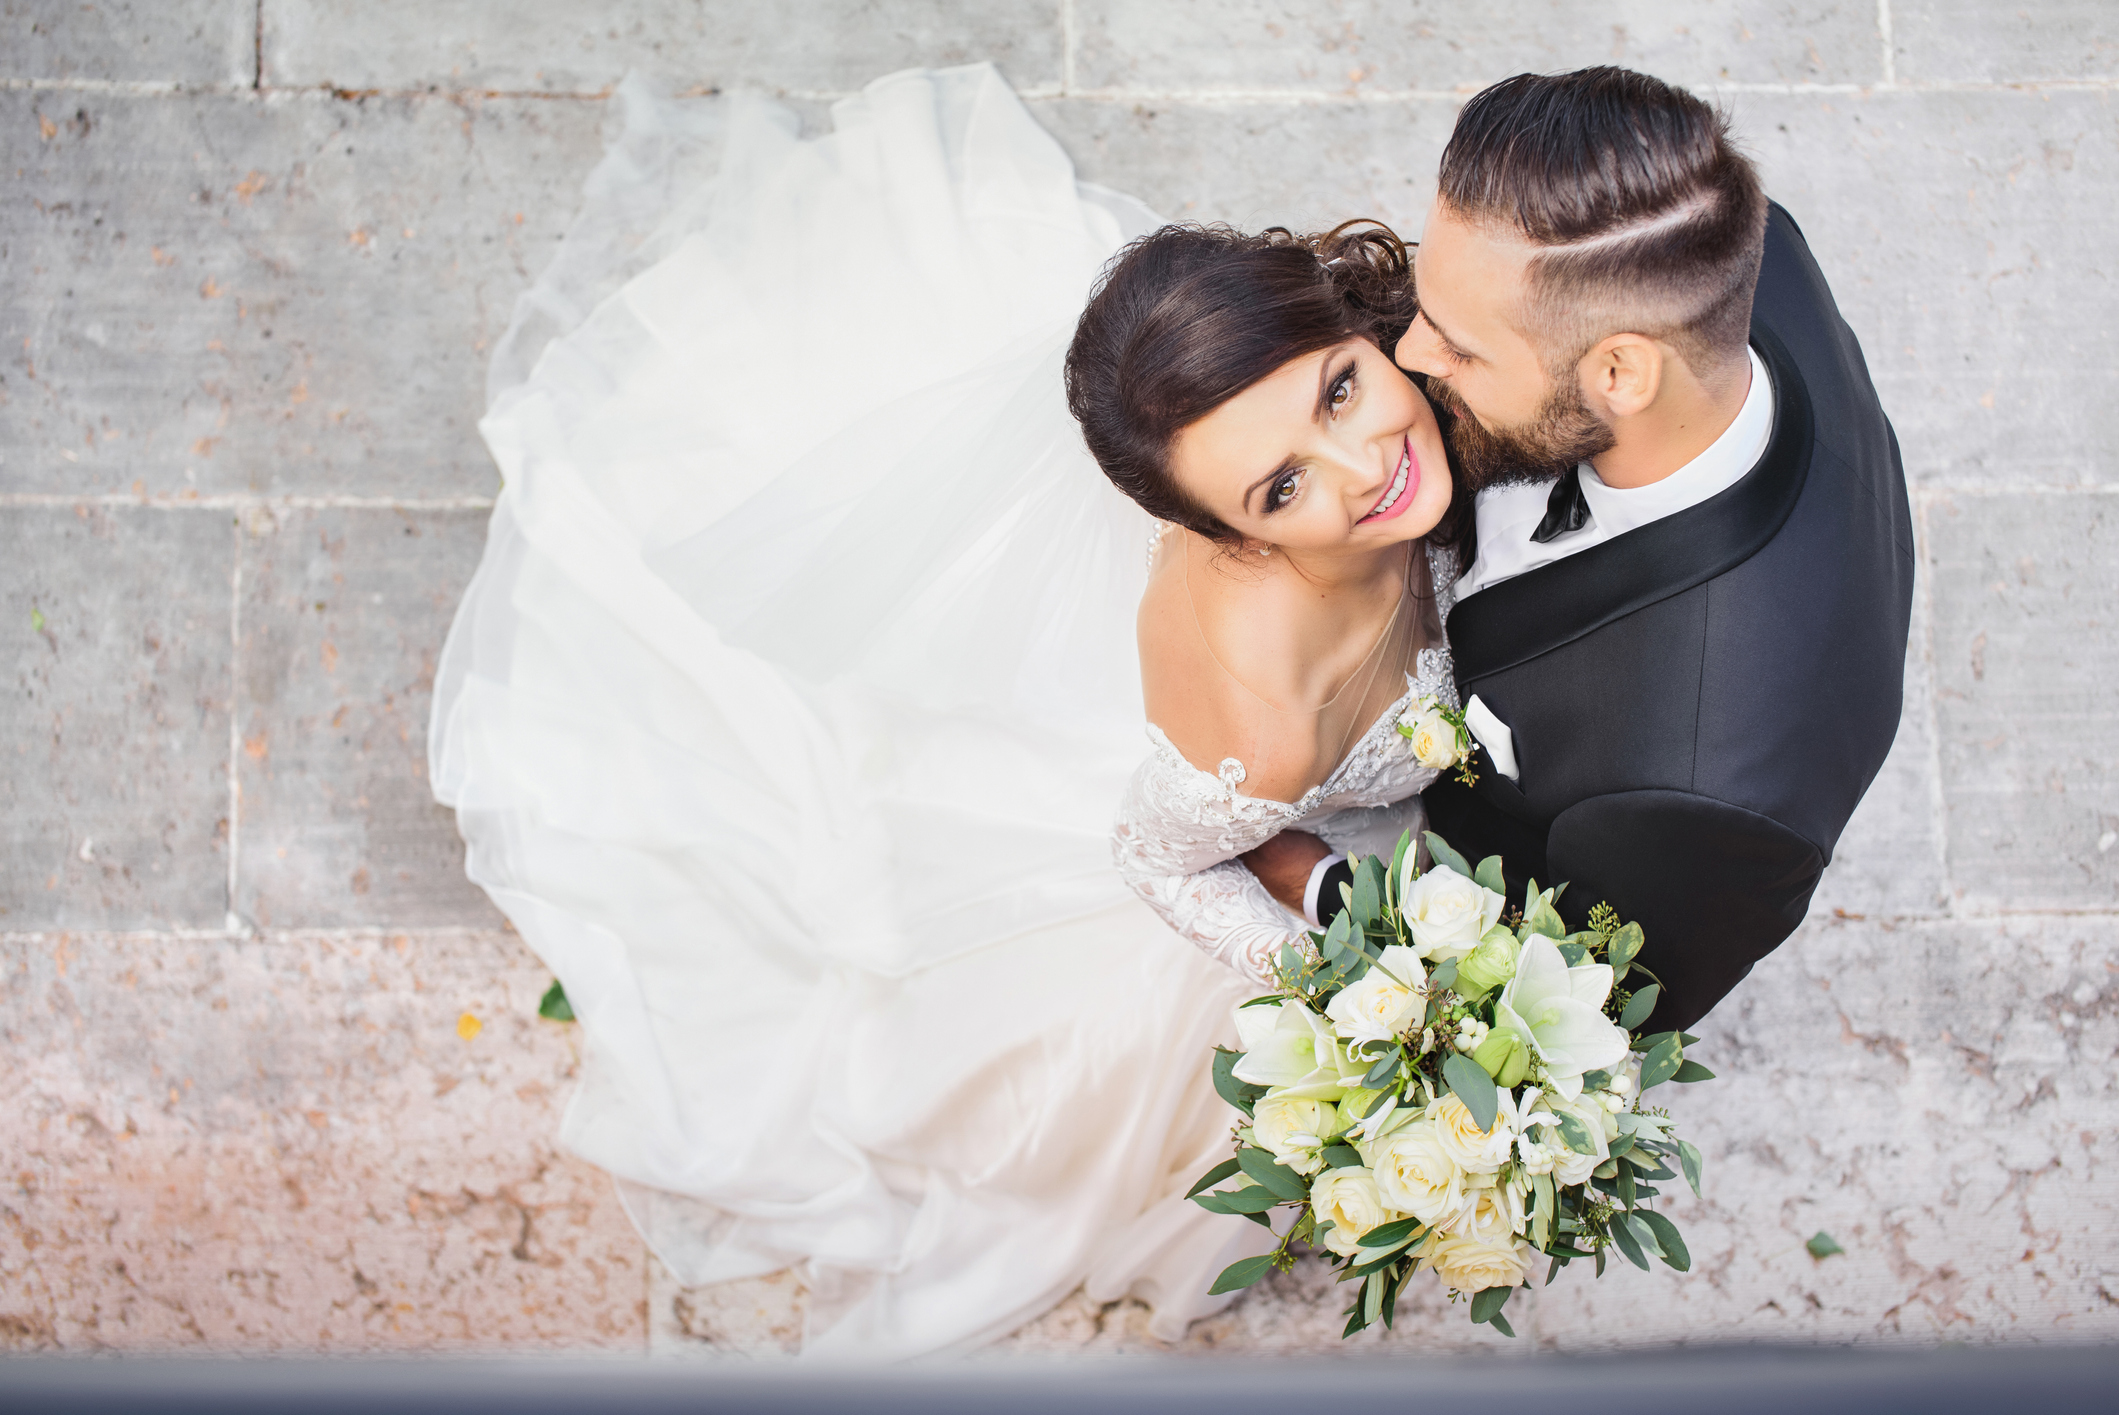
pixel 1240 1094
pixel 1217 1203
pixel 1254 1200
pixel 1213 1177
pixel 1627 1243
pixel 1625 945
pixel 1443 975
pixel 1405 845
pixel 1242 1274
pixel 1488 1302
pixel 1576 1134
pixel 1336 936
pixel 1372 1299
pixel 1623 1185
pixel 1675 1252
pixel 1489 874
pixel 1574 954
pixel 1272 1174
pixel 1643 1234
pixel 1500 1324
pixel 1439 851
pixel 1639 1006
pixel 1390 1235
pixel 1689 1159
pixel 554 1005
pixel 1342 1157
pixel 1472 1086
pixel 1690 1071
pixel 1661 1064
pixel 1381 1073
pixel 1368 890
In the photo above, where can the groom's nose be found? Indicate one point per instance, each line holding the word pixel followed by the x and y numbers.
pixel 1421 351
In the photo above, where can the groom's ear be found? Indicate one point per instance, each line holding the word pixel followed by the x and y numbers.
pixel 1623 374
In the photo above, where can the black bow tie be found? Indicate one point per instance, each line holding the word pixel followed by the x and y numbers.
pixel 1565 510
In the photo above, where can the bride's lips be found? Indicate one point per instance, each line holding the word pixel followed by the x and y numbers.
pixel 1398 496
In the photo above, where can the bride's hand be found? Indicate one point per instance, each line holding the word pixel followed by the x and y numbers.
pixel 1283 864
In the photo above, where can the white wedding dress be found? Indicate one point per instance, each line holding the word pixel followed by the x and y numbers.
pixel 790 707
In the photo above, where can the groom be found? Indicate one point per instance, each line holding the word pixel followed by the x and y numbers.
pixel 1681 636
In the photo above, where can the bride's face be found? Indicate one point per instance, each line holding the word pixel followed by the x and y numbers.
pixel 1336 451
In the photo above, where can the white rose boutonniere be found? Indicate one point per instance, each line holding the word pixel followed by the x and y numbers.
pixel 1439 738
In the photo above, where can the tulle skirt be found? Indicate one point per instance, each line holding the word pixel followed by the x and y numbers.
pixel 789 708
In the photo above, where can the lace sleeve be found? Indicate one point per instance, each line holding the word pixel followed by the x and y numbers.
pixel 1178 835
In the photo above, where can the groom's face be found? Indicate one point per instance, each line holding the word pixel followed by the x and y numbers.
pixel 1513 421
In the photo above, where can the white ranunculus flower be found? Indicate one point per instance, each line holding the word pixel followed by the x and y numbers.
pixel 1433 736
pixel 1560 1011
pixel 1293 1129
pixel 1383 1002
pixel 1472 1264
pixel 1349 1199
pixel 1282 1045
pixel 1414 1174
pixel 1448 913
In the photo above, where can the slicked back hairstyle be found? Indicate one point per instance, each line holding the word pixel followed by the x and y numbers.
pixel 1648 219
pixel 1187 317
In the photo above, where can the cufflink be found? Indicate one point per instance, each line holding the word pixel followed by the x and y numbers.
pixel 1493 734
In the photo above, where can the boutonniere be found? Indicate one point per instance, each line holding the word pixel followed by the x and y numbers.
pixel 1441 741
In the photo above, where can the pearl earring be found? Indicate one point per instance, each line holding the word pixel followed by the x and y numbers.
pixel 1267 550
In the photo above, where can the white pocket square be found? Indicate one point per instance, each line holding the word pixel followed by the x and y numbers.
pixel 1493 734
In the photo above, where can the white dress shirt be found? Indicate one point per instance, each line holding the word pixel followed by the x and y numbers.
pixel 1508 514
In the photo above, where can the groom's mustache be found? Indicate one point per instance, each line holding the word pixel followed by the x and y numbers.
pixel 1564 431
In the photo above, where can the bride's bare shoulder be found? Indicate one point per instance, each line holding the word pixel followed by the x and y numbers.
pixel 1206 713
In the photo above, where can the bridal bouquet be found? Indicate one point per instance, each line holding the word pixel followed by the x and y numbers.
pixel 1453 1084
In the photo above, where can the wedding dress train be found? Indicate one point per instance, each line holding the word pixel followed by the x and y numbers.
pixel 790 708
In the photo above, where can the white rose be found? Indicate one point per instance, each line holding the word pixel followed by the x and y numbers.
pixel 1471 1149
pixel 1434 737
pixel 1491 1212
pixel 1293 1129
pixel 1473 1265
pixel 1415 1175
pixel 1349 1199
pixel 1384 1002
pixel 1448 913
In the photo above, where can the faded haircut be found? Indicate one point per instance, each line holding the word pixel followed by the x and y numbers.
pixel 1648 219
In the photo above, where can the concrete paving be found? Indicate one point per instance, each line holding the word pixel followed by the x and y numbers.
pixel 273 1073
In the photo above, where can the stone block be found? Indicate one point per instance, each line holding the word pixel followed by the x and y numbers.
pixel 1962 234
pixel 1400 45
pixel 1962 40
pixel 2026 596
pixel 114 797
pixel 188 42
pixel 343 618
pixel 1935 1096
pixel 337 1144
pixel 288 296
pixel 1307 166
pixel 549 46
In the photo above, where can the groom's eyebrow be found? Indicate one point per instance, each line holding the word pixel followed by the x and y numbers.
pixel 1443 335
pixel 1323 405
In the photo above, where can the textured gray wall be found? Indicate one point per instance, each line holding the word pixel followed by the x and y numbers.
pixel 272 1073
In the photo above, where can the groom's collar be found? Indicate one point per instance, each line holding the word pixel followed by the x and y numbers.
pixel 1538 611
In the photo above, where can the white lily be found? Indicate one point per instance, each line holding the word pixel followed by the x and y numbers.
pixel 1513 1118
pixel 1560 1011
pixel 1285 1049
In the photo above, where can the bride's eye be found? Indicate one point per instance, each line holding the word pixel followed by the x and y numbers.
pixel 1284 486
pixel 1342 388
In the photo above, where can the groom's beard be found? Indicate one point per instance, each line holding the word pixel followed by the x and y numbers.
pixel 1563 432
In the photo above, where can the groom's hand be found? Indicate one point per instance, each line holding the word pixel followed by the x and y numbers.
pixel 1283 865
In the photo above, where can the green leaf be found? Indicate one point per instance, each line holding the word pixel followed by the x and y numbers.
pixel 554 1004
pixel 1623 1185
pixel 1686 1039
pixel 1652 1041
pixel 1573 954
pixel 1649 1166
pixel 1488 1302
pixel 1212 1177
pixel 1543 1204
pixel 1689 1158
pixel 1675 1252
pixel 1639 1006
pixel 1625 945
pixel 1255 1200
pixel 1691 1071
pixel 1237 1093
pixel 1381 1073
pixel 1372 1298
pixel 1391 1234
pixel 1595 1080
pixel 1489 874
pixel 1336 936
pixel 1500 1323
pixel 1473 1086
pixel 1443 975
pixel 1242 1274
pixel 1405 844
pixel 1821 1245
pixel 1342 1157
pixel 1368 890
pixel 1272 1174
pixel 1662 1063
pixel 1628 1244
pixel 1214 1204
pixel 36 620
pixel 1438 850
pixel 1576 1134
pixel 1541 918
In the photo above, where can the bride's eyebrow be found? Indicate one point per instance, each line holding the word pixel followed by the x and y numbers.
pixel 1326 378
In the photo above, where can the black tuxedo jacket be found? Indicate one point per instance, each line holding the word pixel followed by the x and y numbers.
pixel 1699 703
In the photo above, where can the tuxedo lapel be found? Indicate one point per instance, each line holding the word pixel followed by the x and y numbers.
pixel 1538 611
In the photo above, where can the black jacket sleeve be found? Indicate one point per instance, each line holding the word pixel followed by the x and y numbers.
pixel 1713 886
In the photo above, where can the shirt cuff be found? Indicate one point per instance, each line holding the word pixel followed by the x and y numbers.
pixel 1316 886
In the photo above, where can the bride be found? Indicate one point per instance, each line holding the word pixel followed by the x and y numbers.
pixel 788 712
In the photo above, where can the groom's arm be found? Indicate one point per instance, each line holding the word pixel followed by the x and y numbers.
pixel 1300 871
pixel 1713 886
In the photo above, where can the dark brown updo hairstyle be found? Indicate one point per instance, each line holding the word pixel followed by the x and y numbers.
pixel 1187 317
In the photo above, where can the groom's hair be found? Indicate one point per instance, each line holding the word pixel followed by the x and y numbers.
pixel 1648 219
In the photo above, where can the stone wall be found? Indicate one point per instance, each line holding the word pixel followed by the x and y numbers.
pixel 273 1074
